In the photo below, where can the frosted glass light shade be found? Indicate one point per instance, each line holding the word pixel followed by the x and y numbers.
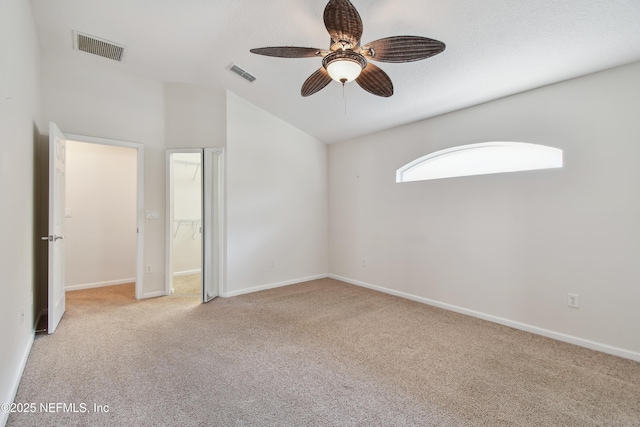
pixel 344 70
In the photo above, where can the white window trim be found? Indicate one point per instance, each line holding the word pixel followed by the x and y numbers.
pixel 553 159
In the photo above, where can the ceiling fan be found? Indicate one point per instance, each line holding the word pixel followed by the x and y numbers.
pixel 346 60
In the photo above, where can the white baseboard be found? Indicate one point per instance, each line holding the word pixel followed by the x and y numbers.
pixel 153 294
pixel 4 416
pixel 186 272
pixel 605 348
pixel 272 286
pixel 99 284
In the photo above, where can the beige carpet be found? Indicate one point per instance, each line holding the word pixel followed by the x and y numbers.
pixel 321 353
pixel 190 284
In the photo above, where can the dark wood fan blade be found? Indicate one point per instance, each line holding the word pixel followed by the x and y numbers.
pixel 290 52
pixel 402 49
pixel 375 81
pixel 343 22
pixel 315 82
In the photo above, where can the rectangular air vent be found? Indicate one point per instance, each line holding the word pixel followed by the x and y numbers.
pixel 96 46
pixel 242 73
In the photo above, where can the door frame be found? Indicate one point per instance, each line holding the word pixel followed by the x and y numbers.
pixel 139 288
pixel 168 283
pixel 213 208
pixel 213 237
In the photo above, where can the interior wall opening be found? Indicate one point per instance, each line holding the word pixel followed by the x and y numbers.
pixel 101 216
pixel 185 219
pixel 195 223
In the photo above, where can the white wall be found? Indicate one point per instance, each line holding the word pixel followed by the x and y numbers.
pixel 276 200
pixel 93 100
pixel 100 235
pixel 195 116
pixel 507 246
pixel 20 124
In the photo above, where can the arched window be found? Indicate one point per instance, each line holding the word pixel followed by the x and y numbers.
pixel 481 159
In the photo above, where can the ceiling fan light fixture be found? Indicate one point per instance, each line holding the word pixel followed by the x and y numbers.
pixel 346 59
pixel 344 66
pixel 343 70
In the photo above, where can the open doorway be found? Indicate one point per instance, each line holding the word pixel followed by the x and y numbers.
pixel 137 227
pixel 185 220
pixel 195 226
pixel 100 216
pixel 58 214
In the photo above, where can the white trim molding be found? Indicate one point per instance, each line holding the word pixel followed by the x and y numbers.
pixel 4 415
pixel 153 294
pixel 187 272
pixel 272 285
pixel 604 348
pixel 99 284
pixel 481 159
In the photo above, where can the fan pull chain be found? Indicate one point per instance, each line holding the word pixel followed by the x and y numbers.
pixel 344 98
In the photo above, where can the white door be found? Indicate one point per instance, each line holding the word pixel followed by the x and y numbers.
pixel 57 177
pixel 213 223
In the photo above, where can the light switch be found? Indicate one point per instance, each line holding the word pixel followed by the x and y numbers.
pixel 152 214
pixel 68 213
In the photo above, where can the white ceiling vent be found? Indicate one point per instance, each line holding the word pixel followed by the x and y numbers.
pixel 242 73
pixel 96 46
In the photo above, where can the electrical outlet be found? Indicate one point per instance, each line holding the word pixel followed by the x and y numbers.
pixel 148 269
pixel 272 264
pixel 364 262
pixel 573 300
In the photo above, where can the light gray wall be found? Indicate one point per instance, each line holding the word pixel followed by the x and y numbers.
pixel 195 116
pixel 20 126
pixel 276 201
pixel 89 99
pixel 508 247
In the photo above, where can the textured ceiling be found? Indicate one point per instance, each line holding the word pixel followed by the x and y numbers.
pixel 494 48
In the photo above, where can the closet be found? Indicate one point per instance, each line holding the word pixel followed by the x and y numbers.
pixel 185 217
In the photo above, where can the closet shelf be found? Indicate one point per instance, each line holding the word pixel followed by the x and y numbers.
pixel 189 163
pixel 195 223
